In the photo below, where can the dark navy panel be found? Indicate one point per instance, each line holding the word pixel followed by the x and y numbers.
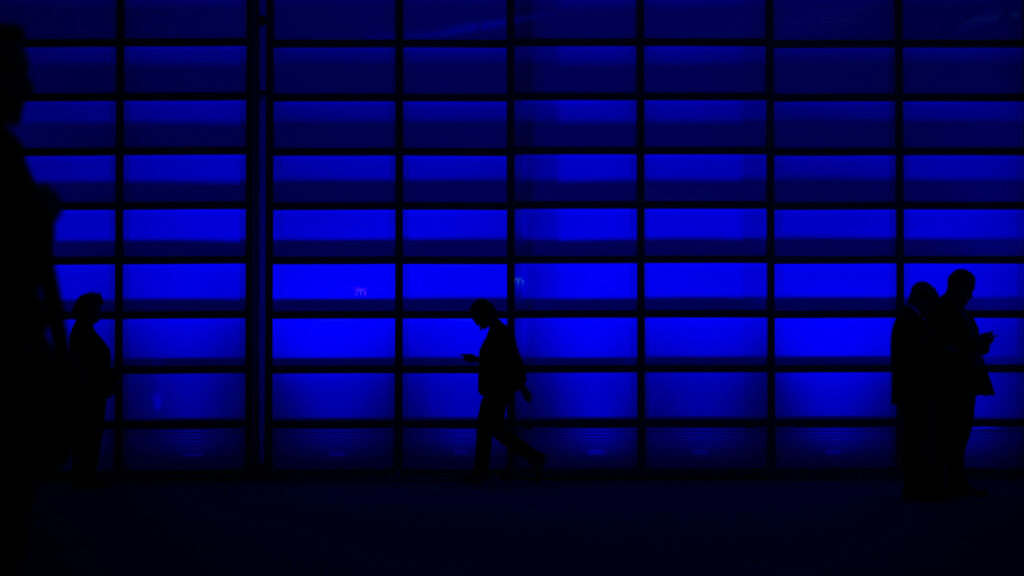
pixel 835 232
pixel 577 341
pixel 334 70
pixel 79 70
pixel 445 449
pixel 455 232
pixel 439 341
pixel 834 20
pixel 73 280
pixel 185 178
pixel 963 178
pixel 60 19
pixel 963 124
pixel 185 18
pixel 576 232
pixel 703 177
pixel 700 69
pixel 588 395
pixel 576 286
pixel 455 124
pixel 334 124
pixel 184 342
pixel 334 19
pixel 705 286
pixel 184 69
pixel 705 123
pixel 575 123
pixel 585 448
pixel 998 286
pixel 183 396
pixel 962 19
pixel 455 19
pixel 835 124
pixel 545 69
pixel 575 177
pixel 704 18
pixel 1008 401
pixel 453 286
pixel 836 286
pixel 334 287
pixel 835 178
pixel 575 18
pixel 324 342
pixel 184 232
pixel 700 232
pixel 189 449
pixel 835 447
pixel 455 178
pixel 706 448
pixel 334 178
pixel 734 341
pixel 834 70
pixel 76 178
pixel 88 233
pixel 964 233
pixel 313 396
pixel 66 125
pixel 824 341
pixel 963 70
pixel 834 395
pixel 191 287
pixel 169 124
pixel 334 449
pixel 440 396
pixel 334 232
pixel 998 448
pixel 454 70
pixel 706 394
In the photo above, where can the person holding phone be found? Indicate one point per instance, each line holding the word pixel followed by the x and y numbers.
pixel 501 375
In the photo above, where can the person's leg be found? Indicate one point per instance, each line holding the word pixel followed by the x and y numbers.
pixel 515 444
pixel 911 449
pixel 960 421
pixel 490 418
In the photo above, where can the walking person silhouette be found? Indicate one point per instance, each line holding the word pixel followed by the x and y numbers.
pixel 501 375
pixel 94 383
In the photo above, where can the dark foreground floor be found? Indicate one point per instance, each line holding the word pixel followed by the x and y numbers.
pixel 573 527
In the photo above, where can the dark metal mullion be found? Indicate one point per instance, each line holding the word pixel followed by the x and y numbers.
pixel 769 30
pixel 253 235
pixel 641 244
pixel 899 199
pixel 510 192
pixel 268 241
pixel 398 97
pixel 119 237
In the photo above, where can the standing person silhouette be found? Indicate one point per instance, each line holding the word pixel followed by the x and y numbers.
pixel 965 377
pixel 501 375
pixel 94 383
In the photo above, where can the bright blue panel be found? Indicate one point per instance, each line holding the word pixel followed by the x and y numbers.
pixel 963 124
pixel 185 18
pixel 73 280
pixel 545 69
pixel 78 70
pixel 836 286
pixel 585 448
pixel 322 342
pixel 576 286
pixel 313 396
pixel 577 341
pixel 704 448
pixel 704 18
pixel 76 178
pixel 824 341
pixel 705 123
pixel 835 178
pixel 186 178
pixel 439 341
pixel 334 286
pixel 455 232
pixel 834 124
pixel 455 19
pixel 334 178
pixel 705 286
pixel 970 233
pixel 575 18
pixel 60 19
pixel 835 447
pixel 455 178
pixel 184 287
pixel 173 124
pixel 448 449
pixel 962 19
pixel 575 123
pixel 184 342
pixel 454 70
pixel 453 286
pixel 438 396
pixel 185 69
pixel 221 449
pixel 833 395
pixel 833 70
pixel 455 124
pixel 576 177
pixel 706 394
pixel 589 395
pixel 697 232
pixel 66 125
pixel 998 287
pixel 333 449
pixel 1008 348
pixel 704 69
pixel 963 178
pixel 834 19
pixel 999 448
pixel 733 341
pixel 334 124
pixel 334 70
pixel 963 70
pixel 1009 399
pixel 183 396
pixel 702 177
pixel 334 19
pixel 334 232
pixel 576 232
pixel 84 233
pixel 184 232
pixel 835 232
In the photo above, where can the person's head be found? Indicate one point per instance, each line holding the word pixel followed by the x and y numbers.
pixel 924 297
pixel 15 86
pixel 87 308
pixel 960 287
pixel 483 313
